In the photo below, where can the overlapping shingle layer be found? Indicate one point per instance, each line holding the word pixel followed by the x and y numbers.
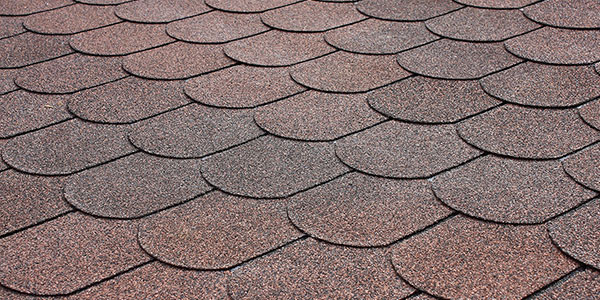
pixel 299 149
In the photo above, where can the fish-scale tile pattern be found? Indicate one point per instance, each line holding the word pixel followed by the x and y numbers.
pixel 580 285
pixel 160 11
pixel 362 210
pixel 401 150
pixel 591 113
pixel 194 131
pixel 464 258
pixel 71 19
pixel 581 14
pixel 247 6
pixel 498 4
pixel 134 186
pixel 10 26
pixel 317 116
pixel 582 166
pixel 312 16
pixel 27 7
pixel 68 253
pixel 406 10
pixel 317 270
pixel 217 231
pixel 30 48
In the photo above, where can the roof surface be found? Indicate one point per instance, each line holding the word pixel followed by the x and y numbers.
pixel 286 149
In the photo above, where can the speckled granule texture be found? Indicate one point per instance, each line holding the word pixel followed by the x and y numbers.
pixel 120 39
pixel 69 74
pixel 312 16
pixel 317 116
pixel 580 14
pixel 71 19
pixel 278 48
pixel 217 231
pixel 476 24
pixel 272 167
pixel 216 27
pixel 7 82
pixel 528 132
pixel 127 100
pixel 68 253
pixel 557 46
pixel 66 148
pixel 160 11
pixel 247 6
pixel 405 10
pixel 448 59
pixel 425 100
pixel 591 113
pixel 29 48
pixel 26 7
pixel 194 131
pixel 343 72
pixel 379 37
pixel 580 285
pixel 242 87
pixel 316 270
pixel 583 166
pixel 22 111
pixel 467 259
pixel 510 191
pixel 134 186
pixel 3 166
pixel 577 233
pixel 26 200
pixel 102 2
pixel 180 60
pixel 401 150
pixel 543 85
pixel 10 26
pixel 500 4
pixel 362 210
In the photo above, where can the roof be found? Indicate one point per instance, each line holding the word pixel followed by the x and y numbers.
pixel 289 149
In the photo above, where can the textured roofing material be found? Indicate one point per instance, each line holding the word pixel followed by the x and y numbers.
pixel 299 149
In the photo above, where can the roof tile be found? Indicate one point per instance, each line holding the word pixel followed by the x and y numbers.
pixel 135 186
pixel 66 148
pixel 26 7
pixel 528 132
pixel 448 59
pixel 481 25
pixel 71 19
pixel 127 100
pixel 160 11
pixel 271 167
pixel 176 61
pixel 67 254
pixel 10 26
pixel 69 74
pixel 502 4
pixel 425 100
pixel 30 48
pixel 583 167
pixel 544 85
pixel 312 16
pixel 582 14
pixel 591 113
pixel 581 285
pixel 557 46
pixel 21 111
pixel 217 231
pixel 194 131
pixel 278 48
pixel 315 270
pixel 317 116
pixel 26 200
pixel 247 6
pixel 216 27
pixel 242 86
pixel 344 72
pixel 510 191
pixel 401 150
pixel 160 281
pixel 102 2
pixel 7 81
pixel 576 233
pixel 120 39
pixel 365 211
pixel 379 37
pixel 406 10
pixel 467 259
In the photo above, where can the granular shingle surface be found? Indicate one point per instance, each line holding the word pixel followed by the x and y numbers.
pixel 299 149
